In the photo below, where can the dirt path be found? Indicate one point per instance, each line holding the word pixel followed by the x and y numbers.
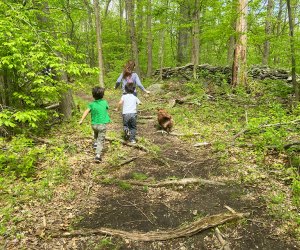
pixel 100 195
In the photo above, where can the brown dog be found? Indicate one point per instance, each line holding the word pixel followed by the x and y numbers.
pixel 165 120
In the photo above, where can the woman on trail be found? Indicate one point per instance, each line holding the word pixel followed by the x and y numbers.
pixel 129 76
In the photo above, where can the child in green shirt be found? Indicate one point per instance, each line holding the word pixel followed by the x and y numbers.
pixel 99 114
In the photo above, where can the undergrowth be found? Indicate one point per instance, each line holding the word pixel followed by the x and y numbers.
pixel 257 130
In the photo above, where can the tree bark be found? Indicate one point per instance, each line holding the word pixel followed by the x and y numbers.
pixel 239 67
pixel 133 38
pixel 195 38
pixel 182 44
pixel 292 44
pixel 99 42
pixel 66 104
pixel 89 25
pixel 266 52
pixel 278 26
pixel 161 52
pixel 149 39
pixel 162 31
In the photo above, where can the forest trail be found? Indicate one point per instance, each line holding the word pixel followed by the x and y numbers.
pixel 104 195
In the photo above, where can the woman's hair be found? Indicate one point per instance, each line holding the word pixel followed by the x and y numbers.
pixel 129 87
pixel 98 93
pixel 128 69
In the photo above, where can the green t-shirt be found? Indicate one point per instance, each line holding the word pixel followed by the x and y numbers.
pixel 98 109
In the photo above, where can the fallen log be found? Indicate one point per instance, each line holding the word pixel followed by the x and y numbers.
pixel 185 181
pixel 185 231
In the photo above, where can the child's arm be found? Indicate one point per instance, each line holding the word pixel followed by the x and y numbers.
pixel 86 112
pixel 119 81
pixel 120 103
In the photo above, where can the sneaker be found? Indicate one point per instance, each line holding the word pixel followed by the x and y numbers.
pixel 98 159
pixel 95 145
pixel 127 133
pixel 133 141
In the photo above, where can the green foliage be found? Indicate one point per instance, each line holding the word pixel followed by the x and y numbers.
pixel 26 50
pixel 124 185
pixel 20 158
pixel 296 192
pixel 139 176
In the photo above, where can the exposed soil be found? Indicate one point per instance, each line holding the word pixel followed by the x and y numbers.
pixel 101 201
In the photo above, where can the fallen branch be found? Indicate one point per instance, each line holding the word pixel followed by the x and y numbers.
pixel 185 181
pixel 128 144
pixel 185 231
pixel 126 162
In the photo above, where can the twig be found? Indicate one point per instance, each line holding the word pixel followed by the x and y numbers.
pixel 141 212
pixel 224 243
pixel 184 231
pixel 55 105
pixel 230 209
pixel 44 221
pixel 200 144
pixel 126 162
pixel 89 188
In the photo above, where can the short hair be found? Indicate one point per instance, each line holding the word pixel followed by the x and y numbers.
pixel 98 93
pixel 129 87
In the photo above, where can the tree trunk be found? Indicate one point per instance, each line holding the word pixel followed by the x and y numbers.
pixel 133 39
pixel 99 42
pixel 195 38
pixel 182 44
pixel 239 67
pixel 89 25
pixel 230 51
pixel 292 44
pixel 121 11
pixel 278 27
pixel 139 20
pixel 161 51
pixel 149 39
pixel 266 53
pixel 231 40
pixel 162 31
pixel 106 7
pixel 66 104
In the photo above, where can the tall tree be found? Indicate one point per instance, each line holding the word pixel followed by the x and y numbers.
pixel 195 37
pixel 266 52
pixel 133 37
pixel 149 38
pixel 89 27
pixel 183 32
pixel 162 31
pixel 99 42
pixel 239 67
pixel 293 54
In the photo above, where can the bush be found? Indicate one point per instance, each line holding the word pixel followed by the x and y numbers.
pixel 19 158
